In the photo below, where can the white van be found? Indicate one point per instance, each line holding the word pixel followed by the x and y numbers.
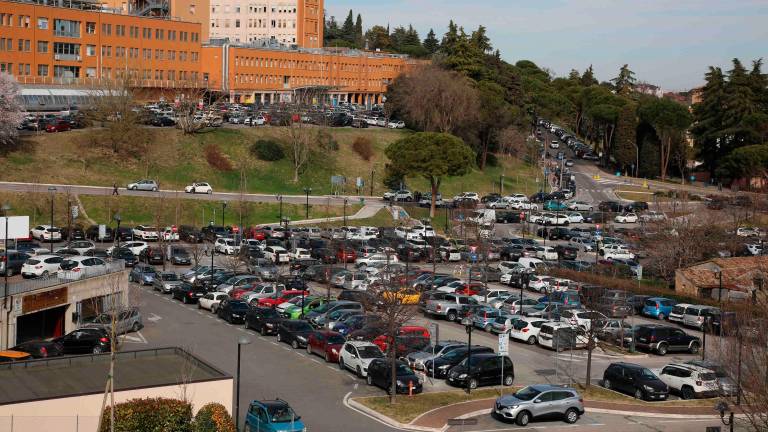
pixel 483 216
pixel 559 336
pixel 530 263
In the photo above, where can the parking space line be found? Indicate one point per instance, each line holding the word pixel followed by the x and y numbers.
pixel 316 360
pixel 273 343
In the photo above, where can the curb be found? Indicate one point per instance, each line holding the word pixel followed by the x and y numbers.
pixel 647 414
pixel 381 418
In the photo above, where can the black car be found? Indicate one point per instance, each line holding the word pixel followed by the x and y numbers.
pixel 637 302
pixel 124 233
pixel 72 233
pixel 442 364
pixel 187 293
pixel 566 252
pixel 232 311
pixel 663 339
pixel 99 253
pixel 190 234
pixel 40 348
pixel 162 121
pixel 179 256
pixel 597 217
pixel 212 232
pixel 490 197
pixel 539 197
pixel 294 332
pixel 634 380
pixel 12 262
pixel 85 341
pixel 610 206
pixel 481 370
pixel 151 255
pixel 636 206
pixel 367 333
pixel 380 375
pixel 209 284
pixel 324 255
pixel 263 319
pixel 508 216
pixel 92 233
pixel 125 255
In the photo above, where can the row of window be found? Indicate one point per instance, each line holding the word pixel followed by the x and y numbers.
pixel 301 81
pixel 252 9
pixel 254 23
pixel 70 49
pixel 25 69
pixel 310 65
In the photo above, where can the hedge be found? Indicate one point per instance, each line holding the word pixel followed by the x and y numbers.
pixel 213 417
pixel 150 415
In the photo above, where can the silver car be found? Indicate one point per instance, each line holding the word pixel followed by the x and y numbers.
pixel 418 359
pixel 540 401
pixel 128 320
pixel 144 185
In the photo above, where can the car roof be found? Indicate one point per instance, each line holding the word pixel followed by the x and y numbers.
pixel 358 344
pixel 547 387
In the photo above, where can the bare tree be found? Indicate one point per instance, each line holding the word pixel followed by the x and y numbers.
pixel 114 305
pixel 435 99
pixel 513 142
pixel 11 110
pixel 191 117
pixel 301 136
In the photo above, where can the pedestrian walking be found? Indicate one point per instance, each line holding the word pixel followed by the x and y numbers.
pixel 114 189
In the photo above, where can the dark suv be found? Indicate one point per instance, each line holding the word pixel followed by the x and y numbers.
pixel 482 369
pixel 663 339
pixel 190 234
pixel 635 380
pixel 380 374
pixel 15 260
pixel 263 319
pixel 440 365
pixel 610 206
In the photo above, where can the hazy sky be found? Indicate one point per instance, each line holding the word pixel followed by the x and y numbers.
pixel 666 42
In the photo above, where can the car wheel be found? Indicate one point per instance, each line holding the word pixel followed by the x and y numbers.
pixel 135 327
pixel 369 380
pixel 263 330
pixel 532 340
pixel 660 317
pixel 451 316
pixel 279 338
pixel 45 274
pixel 210 191
pixel 590 209
pixel 639 394
pixel 154 189
pixel 133 188
pixel 472 383
pixel 571 416
pixel 661 349
pixel 295 344
pixel 523 418
pixel 687 393
pixel 98 350
pixel 184 299
pixel 508 380
pixel 327 358
pixel 359 372
pixel 607 384
pixel 694 348
pixel 341 363
pixel 213 309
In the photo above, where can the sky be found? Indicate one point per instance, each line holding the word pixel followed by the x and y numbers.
pixel 670 43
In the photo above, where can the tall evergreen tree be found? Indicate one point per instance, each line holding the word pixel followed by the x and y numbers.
pixel 397 37
pixel 411 37
pixel 588 78
pixel 574 76
pixel 625 148
pixel 481 41
pixel 359 41
pixel 625 82
pixel 708 130
pixel 348 29
pixel 431 44
pixel 451 38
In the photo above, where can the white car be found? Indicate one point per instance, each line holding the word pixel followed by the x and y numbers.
pixel 524 205
pixel 503 203
pixel 615 251
pixel 526 329
pixel 754 248
pixel 493 294
pixel 517 198
pixel 536 218
pixel 375 258
pixel 81 246
pixel 555 219
pixel 144 232
pixel 357 355
pixel 276 254
pixel 626 218
pixel 46 233
pixel 399 195
pixel 422 231
pixel 41 266
pixel 134 246
pixel 546 253
pixel 211 301
pixel 748 232
pixel 396 124
pixel 226 246
pixel 539 283
pixel 575 217
pixel 77 267
pixel 580 206
pixel 582 244
pixel 508 266
pixel 259 121
pixel 581 318
pixel 199 188
pixel 689 381
pixel 299 253
pixel 170 234
pixel 653 216
pixel 511 304
pixel 548 337
pixel 554 145
pixel 468 196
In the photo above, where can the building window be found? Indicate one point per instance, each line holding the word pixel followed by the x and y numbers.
pixel 191 9
pixel 237 23
pixel 66 28
pixel 42 46
pixel 106 29
pixel 90 72
pixel 66 71
pixel 42 23
pixel 42 70
pixel 90 50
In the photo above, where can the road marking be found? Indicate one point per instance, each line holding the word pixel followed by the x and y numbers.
pixel 332 368
pixel 687 420
pixel 154 317
pixel 316 360
pixel 287 348
pixel 273 343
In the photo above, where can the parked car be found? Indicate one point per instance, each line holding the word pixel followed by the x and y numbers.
pixel 232 311
pixel 144 185
pixel 294 332
pixel 143 274
pixel 179 256
pixel 187 292
pixel 635 380
pixel 40 348
pixel 199 187
pixel 540 401
pixel 689 381
pixel 77 267
pixel 85 341
pixel 658 307
pixel 37 266
pixel 326 344
pixel 440 365
pixel 663 339
pixel 46 233
pixel 272 416
pixel 211 300
pixel 165 281
pixel 128 320
pixel 357 355
pixel 482 369
pixel 380 375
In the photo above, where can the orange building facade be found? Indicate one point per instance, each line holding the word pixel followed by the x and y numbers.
pixel 68 48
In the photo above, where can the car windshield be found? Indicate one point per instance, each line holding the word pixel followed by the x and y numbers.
pixel 281 414
pixel 68 265
pixel 335 339
pixel 170 276
pixel 527 393
pixel 270 313
pixel 647 374
pixel 323 308
pixel 455 354
pixel 301 326
pixel 370 352
pixel 239 306
pixel 403 370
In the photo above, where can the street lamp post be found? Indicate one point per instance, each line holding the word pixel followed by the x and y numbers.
pixel 52 190
pixel 307 191
pixel 118 219
pixel 279 197
pixel 722 407
pixel 373 171
pixel 344 252
pixel 213 250
pixel 6 207
pixel 468 327
pixel 242 341
pixel 223 207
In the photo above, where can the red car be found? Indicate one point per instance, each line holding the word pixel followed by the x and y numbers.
pixel 238 293
pixel 59 126
pixel 255 233
pixel 346 255
pixel 409 339
pixel 280 297
pixel 470 289
pixel 326 344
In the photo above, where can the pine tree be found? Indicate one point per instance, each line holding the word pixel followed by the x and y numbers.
pixel 480 40
pixel 359 32
pixel 431 43
pixel 708 129
pixel 625 148
pixel 625 82
pixel 348 29
pixel 412 37
pixel 574 76
pixel 588 78
pixel 451 38
pixel 397 38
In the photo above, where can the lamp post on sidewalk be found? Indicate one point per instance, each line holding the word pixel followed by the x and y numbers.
pixel 52 190
pixel 242 341
pixel 6 208
pixel 307 191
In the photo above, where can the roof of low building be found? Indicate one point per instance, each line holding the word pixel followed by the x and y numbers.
pixel 737 273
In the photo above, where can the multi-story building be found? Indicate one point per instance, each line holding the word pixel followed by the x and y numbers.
pixel 65 52
pixel 268 22
pixel 194 11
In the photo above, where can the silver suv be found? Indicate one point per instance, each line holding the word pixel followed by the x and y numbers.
pixel 128 320
pixel 540 401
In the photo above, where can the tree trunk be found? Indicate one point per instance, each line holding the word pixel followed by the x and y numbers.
pixel 435 184
pixel 484 156
pixel 589 364
pixel 296 174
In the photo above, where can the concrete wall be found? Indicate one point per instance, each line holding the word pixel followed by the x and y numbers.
pixel 81 413
pixel 77 291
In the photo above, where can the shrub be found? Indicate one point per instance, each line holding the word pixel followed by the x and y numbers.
pixel 326 141
pixel 216 158
pixel 267 150
pixel 150 415
pixel 213 417
pixel 363 147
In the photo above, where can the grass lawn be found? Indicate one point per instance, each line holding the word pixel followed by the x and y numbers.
pixel 175 160
pixel 407 408
pixel 143 210
pixel 383 218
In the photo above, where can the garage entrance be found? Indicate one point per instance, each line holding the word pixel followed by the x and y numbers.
pixel 41 325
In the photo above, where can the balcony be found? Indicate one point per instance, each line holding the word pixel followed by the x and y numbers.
pixel 67 57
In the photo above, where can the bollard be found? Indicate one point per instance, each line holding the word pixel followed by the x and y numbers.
pixel 410 388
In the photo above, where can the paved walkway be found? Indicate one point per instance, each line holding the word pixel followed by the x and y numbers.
pixel 367 211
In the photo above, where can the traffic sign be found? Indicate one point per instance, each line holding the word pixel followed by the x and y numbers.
pixel 503 344
pixel 75 212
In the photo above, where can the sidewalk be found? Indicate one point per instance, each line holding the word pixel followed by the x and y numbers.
pixel 367 211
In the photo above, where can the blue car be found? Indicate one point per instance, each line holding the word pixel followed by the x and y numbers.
pixel 272 416
pixel 568 298
pixel 658 307
pixel 143 274
pixel 553 205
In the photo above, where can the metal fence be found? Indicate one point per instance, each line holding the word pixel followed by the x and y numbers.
pixel 63 278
